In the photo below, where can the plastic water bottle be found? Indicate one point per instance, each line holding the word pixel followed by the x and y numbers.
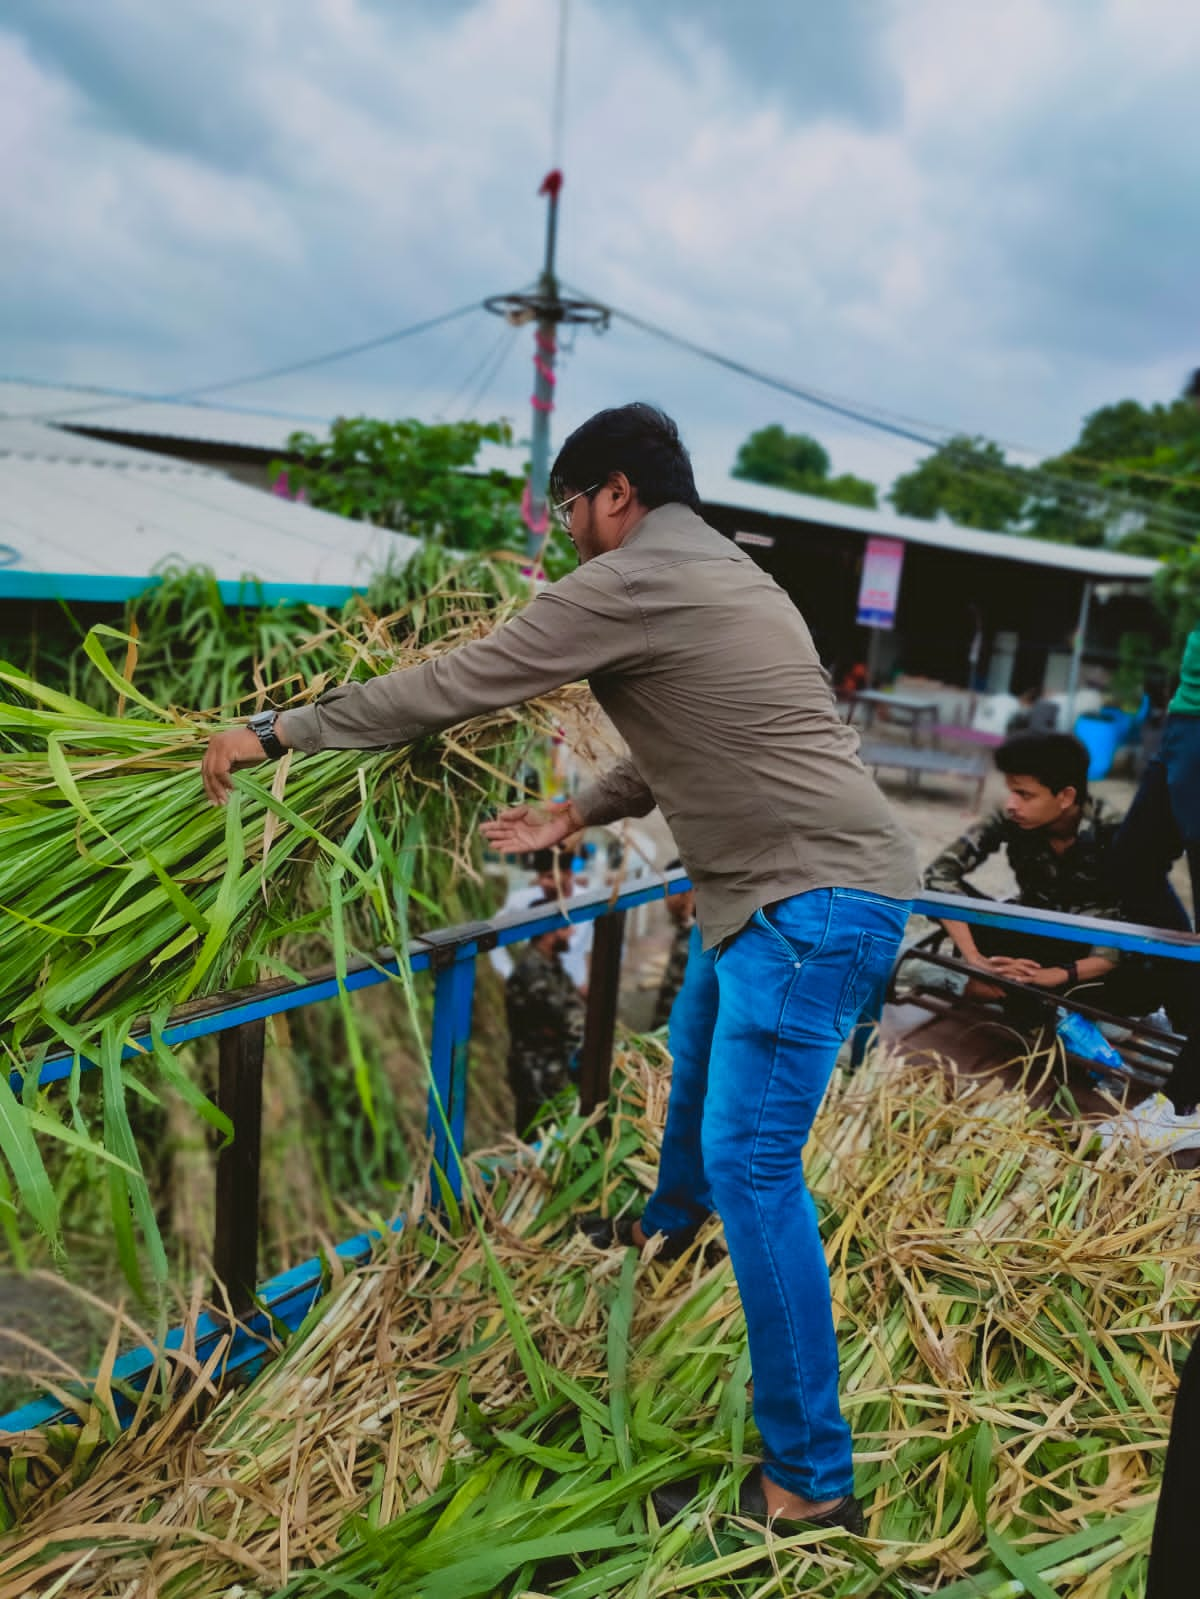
pixel 1082 1037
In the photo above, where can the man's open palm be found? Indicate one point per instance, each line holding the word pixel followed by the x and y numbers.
pixel 525 828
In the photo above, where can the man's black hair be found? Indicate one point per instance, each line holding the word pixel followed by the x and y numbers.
pixel 543 861
pixel 636 439
pixel 1192 389
pixel 548 900
pixel 1056 760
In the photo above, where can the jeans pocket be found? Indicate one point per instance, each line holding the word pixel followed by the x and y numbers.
pixel 786 947
pixel 872 965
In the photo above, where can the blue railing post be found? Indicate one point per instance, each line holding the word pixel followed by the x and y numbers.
pixel 453 999
pixel 453 952
pixel 240 1096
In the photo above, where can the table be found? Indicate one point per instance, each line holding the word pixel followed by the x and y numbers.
pixel 904 708
pixel 939 763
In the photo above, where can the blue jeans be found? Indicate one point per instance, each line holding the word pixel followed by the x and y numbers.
pixel 792 983
pixel 683 1198
pixel 1163 823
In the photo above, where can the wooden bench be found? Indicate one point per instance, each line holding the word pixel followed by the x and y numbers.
pixel 939 763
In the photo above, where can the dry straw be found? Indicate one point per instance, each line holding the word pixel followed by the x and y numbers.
pixel 483 1411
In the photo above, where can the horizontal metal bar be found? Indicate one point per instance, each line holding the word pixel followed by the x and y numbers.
pixel 452 945
pixel 236 1008
pixel 287 1298
pixel 1158 941
pixel 1165 1041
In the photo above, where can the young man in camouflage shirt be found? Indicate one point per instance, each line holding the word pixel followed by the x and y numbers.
pixel 681 908
pixel 545 1026
pixel 1057 838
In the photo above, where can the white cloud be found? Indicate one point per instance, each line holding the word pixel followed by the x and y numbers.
pixel 995 232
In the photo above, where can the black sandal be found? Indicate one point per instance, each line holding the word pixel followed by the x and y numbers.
pixel 607 1232
pixel 846 1515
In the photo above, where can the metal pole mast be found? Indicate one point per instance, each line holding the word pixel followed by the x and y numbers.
pixel 548 311
pixel 1077 649
pixel 545 350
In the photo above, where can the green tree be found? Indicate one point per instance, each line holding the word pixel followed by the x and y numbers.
pixel 970 481
pixel 798 462
pixel 1138 474
pixel 411 476
pixel 1138 471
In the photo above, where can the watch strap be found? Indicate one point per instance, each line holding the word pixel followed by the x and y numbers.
pixel 263 728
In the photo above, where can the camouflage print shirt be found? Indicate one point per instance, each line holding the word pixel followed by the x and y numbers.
pixel 1075 881
pixel 545 1029
pixel 672 978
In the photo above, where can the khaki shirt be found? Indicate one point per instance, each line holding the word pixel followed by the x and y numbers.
pixel 710 675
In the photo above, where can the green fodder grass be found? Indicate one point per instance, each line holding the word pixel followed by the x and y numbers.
pixel 123 894
pixel 484 1410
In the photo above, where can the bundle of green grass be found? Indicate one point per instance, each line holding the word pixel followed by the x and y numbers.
pixel 123 893
pixel 486 1408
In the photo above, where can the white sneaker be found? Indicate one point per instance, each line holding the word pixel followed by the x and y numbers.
pixel 1154 1126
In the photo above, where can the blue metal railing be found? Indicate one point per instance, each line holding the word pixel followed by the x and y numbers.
pixel 450 954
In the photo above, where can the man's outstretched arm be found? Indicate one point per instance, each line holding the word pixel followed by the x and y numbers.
pixel 585 623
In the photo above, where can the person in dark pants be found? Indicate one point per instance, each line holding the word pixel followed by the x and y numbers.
pixel 1172 1572
pixel 545 1027
pixel 681 908
pixel 1162 824
pixel 682 1200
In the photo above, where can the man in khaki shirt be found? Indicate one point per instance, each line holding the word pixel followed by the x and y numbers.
pixel 802 875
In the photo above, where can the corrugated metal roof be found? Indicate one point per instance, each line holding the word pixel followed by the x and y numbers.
pixel 730 494
pixel 37 441
pixel 110 410
pixel 1110 565
pixel 100 527
pixel 268 431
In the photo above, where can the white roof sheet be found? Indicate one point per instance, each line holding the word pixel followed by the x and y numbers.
pixel 115 518
pixel 193 420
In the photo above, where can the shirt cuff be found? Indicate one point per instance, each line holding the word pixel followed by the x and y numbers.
pixel 301 729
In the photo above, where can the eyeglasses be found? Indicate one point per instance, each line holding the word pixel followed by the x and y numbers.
pixel 560 513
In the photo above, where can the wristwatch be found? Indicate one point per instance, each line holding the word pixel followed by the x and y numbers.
pixel 263 728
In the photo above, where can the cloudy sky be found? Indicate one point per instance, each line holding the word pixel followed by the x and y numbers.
pixel 985 216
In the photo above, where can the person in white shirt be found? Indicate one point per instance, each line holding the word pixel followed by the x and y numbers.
pixel 554 879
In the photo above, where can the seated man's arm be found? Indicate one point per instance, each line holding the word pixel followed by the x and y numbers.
pixel 945 875
pixel 1089 968
pixel 1093 962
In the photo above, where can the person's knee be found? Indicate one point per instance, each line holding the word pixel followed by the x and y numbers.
pixel 740 1158
pixel 725 1152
